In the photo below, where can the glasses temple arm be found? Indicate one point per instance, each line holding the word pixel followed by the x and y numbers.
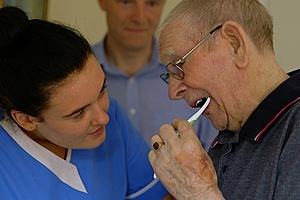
pixel 201 41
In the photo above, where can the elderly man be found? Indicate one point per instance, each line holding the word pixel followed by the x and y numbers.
pixel 223 49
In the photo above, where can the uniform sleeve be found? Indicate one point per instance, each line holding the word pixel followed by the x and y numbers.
pixel 141 184
pixel 288 174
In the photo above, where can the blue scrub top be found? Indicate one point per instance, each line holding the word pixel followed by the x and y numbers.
pixel 117 168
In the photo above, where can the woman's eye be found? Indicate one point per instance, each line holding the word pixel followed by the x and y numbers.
pixel 103 89
pixel 79 114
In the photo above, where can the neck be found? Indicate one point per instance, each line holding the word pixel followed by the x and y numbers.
pixel 58 150
pixel 265 78
pixel 129 60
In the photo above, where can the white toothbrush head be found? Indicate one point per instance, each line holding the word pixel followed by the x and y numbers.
pixel 195 116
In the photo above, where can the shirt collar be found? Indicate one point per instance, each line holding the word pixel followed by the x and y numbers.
pixel 272 108
pixel 267 113
pixel 63 169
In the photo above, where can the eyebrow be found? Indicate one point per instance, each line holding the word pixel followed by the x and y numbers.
pixel 83 107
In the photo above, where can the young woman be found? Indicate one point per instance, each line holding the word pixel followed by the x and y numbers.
pixel 61 136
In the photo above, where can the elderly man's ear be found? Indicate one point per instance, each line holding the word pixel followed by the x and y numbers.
pixel 238 42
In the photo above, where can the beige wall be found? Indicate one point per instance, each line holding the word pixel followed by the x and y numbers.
pixel 86 16
pixel 286 18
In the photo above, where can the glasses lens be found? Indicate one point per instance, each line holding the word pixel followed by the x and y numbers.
pixel 175 71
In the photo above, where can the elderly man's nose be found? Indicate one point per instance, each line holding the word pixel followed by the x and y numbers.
pixel 176 88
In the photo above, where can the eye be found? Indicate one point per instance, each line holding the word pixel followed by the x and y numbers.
pixel 103 88
pixel 152 3
pixel 126 1
pixel 79 115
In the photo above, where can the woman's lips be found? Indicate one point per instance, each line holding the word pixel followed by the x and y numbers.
pixel 99 130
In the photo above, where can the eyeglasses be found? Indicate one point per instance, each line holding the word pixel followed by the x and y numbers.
pixel 175 68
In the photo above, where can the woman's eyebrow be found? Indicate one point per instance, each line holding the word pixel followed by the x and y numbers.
pixel 83 107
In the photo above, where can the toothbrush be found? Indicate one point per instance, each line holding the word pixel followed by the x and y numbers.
pixel 203 103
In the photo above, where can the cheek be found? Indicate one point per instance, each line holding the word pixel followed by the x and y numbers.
pixel 115 22
pixel 66 130
pixel 153 17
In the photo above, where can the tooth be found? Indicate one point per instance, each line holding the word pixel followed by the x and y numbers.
pixel 200 102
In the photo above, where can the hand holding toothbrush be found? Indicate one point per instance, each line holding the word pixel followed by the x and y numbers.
pixel 182 164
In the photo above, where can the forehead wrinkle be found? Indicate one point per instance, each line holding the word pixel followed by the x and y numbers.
pixel 166 46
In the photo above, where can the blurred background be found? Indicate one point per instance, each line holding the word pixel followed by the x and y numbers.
pixel 86 16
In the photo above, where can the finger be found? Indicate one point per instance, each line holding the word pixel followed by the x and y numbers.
pixel 157 142
pixel 168 134
pixel 152 157
pixel 184 128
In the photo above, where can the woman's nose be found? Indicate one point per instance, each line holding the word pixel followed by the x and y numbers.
pixel 100 116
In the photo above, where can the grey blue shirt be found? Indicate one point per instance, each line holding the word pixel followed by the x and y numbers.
pixel 144 97
pixel 262 160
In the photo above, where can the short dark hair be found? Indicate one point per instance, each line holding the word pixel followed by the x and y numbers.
pixel 35 57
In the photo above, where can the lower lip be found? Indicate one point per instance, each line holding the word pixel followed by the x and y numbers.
pixel 97 133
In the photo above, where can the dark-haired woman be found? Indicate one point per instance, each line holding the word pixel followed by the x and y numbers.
pixel 62 137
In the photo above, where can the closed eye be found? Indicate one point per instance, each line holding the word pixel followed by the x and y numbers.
pixel 79 114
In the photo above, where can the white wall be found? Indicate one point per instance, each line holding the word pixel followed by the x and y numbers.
pixel 86 16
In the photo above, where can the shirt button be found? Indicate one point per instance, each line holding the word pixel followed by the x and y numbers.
pixel 132 111
pixel 131 80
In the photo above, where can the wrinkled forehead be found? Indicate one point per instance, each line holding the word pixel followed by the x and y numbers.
pixel 173 40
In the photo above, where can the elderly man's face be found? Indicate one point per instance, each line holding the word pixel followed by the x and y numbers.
pixel 209 71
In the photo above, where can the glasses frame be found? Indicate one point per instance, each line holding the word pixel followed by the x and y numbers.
pixel 175 68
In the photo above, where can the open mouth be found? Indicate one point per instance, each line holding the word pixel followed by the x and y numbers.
pixel 201 102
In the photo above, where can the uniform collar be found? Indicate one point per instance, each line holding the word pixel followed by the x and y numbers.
pixel 63 169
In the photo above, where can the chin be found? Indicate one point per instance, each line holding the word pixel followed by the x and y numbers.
pixel 93 141
pixel 96 143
